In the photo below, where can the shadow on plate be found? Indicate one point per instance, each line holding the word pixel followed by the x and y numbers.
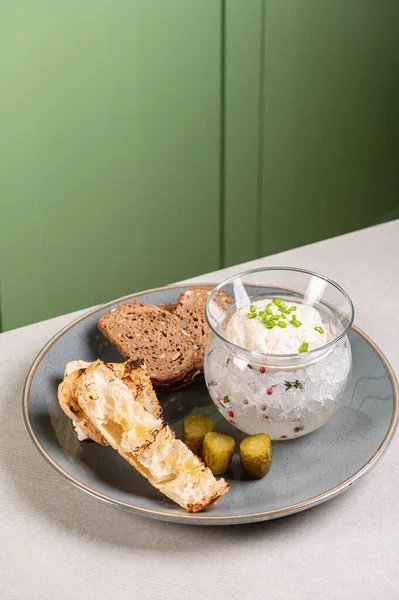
pixel 100 347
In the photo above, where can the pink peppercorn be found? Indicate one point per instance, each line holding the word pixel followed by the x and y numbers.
pixel 262 369
pixel 231 414
pixel 269 391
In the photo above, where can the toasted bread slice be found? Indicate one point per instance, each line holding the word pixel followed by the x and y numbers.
pixel 144 331
pixel 144 440
pixel 132 373
pixel 66 396
pixel 190 310
pixel 75 365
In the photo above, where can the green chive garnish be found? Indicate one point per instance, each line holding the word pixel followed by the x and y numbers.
pixel 292 309
pixel 251 316
pixel 270 324
pixel 319 329
pixel 295 322
pixel 275 317
pixel 282 324
pixel 252 308
pixel 280 304
pixel 303 347
pixel 267 309
pixel 261 313
pixel 283 316
pixel 283 309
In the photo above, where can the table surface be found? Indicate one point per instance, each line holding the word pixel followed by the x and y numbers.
pixel 56 543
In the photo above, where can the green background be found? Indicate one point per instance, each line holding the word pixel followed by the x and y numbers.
pixel 146 141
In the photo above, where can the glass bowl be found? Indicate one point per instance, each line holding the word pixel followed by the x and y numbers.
pixel 295 386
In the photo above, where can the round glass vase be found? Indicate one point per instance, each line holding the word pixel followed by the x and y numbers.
pixel 283 395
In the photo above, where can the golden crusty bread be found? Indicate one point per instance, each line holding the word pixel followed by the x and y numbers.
pixel 75 365
pixel 132 373
pixel 142 439
pixel 81 423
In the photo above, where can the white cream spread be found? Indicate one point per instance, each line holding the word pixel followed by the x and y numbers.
pixel 253 334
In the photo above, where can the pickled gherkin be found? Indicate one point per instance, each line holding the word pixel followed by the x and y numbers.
pixel 195 428
pixel 217 452
pixel 256 455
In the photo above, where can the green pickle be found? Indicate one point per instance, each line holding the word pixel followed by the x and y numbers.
pixel 195 428
pixel 217 452
pixel 256 455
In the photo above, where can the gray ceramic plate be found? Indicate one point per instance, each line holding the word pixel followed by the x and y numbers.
pixel 346 448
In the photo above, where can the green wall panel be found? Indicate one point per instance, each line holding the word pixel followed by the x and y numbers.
pixel 330 120
pixel 144 141
pixel 109 149
pixel 244 29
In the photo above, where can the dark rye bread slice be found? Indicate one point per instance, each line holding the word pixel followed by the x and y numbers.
pixel 192 377
pixel 145 331
pixel 190 310
pixel 168 307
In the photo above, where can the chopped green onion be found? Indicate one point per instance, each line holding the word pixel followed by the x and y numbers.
pixel 283 316
pixel 280 304
pixel 282 324
pixel 251 316
pixel 319 329
pixel 270 324
pixel 292 309
pixel 275 317
pixel 261 313
pixel 283 309
pixel 295 322
pixel 252 308
pixel 267 309
pixel 303 347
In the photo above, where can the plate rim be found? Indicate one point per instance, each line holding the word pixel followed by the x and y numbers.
pixel 205 517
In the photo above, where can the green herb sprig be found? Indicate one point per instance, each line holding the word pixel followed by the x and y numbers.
pixel 293 384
